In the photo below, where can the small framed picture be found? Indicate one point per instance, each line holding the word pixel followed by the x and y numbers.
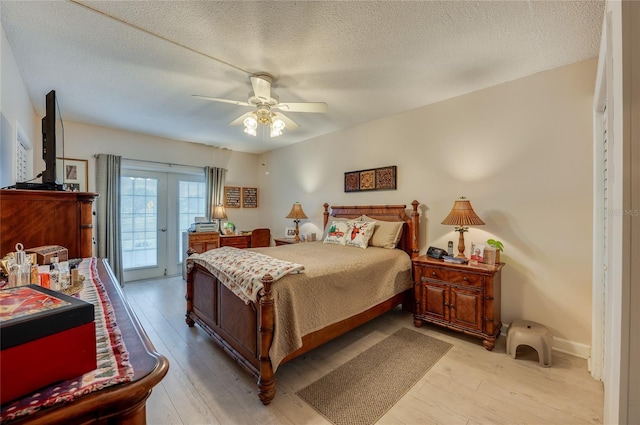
pixel 290 232
pixel 72 173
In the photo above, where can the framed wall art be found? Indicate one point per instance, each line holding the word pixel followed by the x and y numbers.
pixel 382 178
pixel 72 173
pixel 249 197
pixel 232 196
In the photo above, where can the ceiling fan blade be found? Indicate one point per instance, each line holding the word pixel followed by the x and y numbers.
pixel 261 88
pixel 240 119
pixel 217 99
pixel 289 123
pixel 303 107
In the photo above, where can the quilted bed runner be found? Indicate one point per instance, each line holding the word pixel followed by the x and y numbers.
pixel 241 270
pixel 113 358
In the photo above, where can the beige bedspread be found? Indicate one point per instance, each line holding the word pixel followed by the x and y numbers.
pixel 338 282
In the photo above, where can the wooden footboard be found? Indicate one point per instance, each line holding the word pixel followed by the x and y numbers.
pixel 245 332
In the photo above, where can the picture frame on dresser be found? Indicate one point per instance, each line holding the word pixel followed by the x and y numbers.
pixel 289 232
pixel 73 173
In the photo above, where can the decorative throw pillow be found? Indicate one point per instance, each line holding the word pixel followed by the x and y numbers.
pixel 332 219
pixel 359 233
pixel 337 233
pixel 387 233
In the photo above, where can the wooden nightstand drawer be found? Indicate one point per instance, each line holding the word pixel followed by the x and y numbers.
pixel 284 241
pixel 466 279
pixel 432 273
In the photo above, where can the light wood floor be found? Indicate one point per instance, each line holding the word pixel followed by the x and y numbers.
pixel 469 385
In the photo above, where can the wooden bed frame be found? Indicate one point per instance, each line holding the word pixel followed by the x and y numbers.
pixel 245 332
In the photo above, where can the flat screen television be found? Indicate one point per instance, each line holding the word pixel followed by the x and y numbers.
pixel 52 130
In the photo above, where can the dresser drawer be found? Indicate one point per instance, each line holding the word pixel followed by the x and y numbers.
pixel 434 273
pixel 202 237
pixel 466 279
pixel 236 241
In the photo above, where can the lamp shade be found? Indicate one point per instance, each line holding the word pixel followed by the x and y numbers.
pixel 462 214
pixel 296 212
pixel 219 212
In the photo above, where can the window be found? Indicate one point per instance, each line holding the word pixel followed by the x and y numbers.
pixel 191 199
pixel 24 156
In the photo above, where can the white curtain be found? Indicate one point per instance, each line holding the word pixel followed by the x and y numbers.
pixel 108 209
pixel 214 178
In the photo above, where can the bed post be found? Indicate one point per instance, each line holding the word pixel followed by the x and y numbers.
pixel 266 381
pixel 326 215
pixel 189 295
pixel 415 223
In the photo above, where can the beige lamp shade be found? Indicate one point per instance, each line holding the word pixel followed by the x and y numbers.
pixel 462 215
pixel 219 212
pixel 296 212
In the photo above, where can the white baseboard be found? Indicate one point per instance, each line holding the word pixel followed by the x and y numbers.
pixel 564 346
pixel 571 347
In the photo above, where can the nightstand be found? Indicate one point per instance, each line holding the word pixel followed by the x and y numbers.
pixel 465 298
pixel 285 241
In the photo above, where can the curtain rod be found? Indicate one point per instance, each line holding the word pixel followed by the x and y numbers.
pixel 95 155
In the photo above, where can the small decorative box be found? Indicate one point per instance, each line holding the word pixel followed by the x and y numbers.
pixel 45 337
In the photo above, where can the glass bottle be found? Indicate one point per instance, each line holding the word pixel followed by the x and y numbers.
pixel 20 271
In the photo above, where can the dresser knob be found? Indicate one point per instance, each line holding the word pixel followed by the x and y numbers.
pixel 433 273
pixel 465 278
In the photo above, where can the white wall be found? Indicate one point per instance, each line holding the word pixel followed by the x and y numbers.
pixel 520 151
pixel 82 141
pixel 15 110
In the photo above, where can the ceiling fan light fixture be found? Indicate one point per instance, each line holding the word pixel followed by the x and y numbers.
pixel 250 125
pixel 278 124
pixel 264 100
pixel 251 122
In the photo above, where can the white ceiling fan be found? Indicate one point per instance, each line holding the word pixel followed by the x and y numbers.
pixel 265 103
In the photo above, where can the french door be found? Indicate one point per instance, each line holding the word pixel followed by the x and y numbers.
pixel 156 207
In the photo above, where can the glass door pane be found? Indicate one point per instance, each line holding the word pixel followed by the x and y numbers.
pixel 143 220
pixel 139 222
pixel 191 198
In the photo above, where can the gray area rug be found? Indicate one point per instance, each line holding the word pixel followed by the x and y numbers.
pixel 362 390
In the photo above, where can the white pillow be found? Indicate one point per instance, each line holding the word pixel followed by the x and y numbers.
pixel 359 233
pixel 387 234
pixel 337 233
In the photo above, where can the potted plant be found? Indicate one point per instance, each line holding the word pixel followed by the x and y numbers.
pixel 498 246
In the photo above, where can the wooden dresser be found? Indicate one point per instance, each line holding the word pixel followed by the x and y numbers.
pixel 236 241
pixel 122 404
pixel 39 217
pixel 200 242
pixel 465 298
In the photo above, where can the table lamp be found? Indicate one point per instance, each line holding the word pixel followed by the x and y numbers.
pixel 462 216
pixel 296 214
pixel 219 213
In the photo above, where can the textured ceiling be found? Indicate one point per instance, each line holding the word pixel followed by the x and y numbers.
pixel 135 65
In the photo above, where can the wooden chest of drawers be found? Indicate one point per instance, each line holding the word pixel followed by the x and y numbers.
pixel 461 297
pixel 200 242
pixel 236 241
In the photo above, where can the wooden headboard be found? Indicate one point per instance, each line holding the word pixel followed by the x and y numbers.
pixel 410 230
